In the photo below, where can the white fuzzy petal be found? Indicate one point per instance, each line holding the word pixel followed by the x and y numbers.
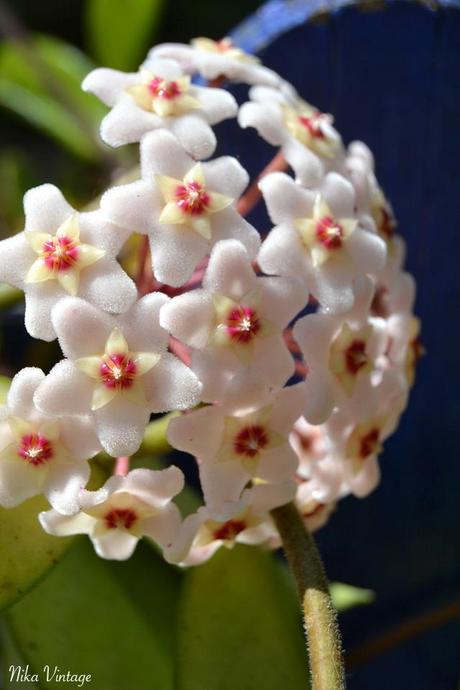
pixel 134 206
pixel 65 391
pixel 189 317
pixel 194 134
pixel 229 270
pixel 81 328
pixel 198 432
pixel 16 257
pixel 171 385
pixel 106 285
pixel 45 209
pixel 286 200
pixel 63 485
pixel 120 426
pixel 21 392
pixel 127 123
pixel 108 84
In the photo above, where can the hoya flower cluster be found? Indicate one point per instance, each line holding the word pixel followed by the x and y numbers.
pixel 288 357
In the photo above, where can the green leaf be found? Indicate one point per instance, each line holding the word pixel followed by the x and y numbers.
pixel 119 31
pixel 40 80
pixel 50 116
pixel 240 626
pixel 346 597
pixel 28 552
pixel 115 621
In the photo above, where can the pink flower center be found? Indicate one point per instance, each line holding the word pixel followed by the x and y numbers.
pixel 159 88
pixel 355 356
pixel 192 198
pixel 229 530
pixel 120 518
pixel 118 371
pixel 60 253
pixel 313 125
pixel 387 224
pixel 224 45
pixel 250 441
pixel 329 233
pixel 35 449
pixel 369 443
pixel 242 324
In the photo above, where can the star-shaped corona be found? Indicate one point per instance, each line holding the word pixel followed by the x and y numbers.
pixel 117 371
pixel 323 235
pixel 61 256
pixel 349 356
pixel 312 128
pixel 223 47
pixel 189 202
pixel 364 442
pixel 164 97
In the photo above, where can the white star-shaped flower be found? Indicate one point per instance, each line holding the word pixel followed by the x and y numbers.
pixel 318 239
pixel 62 252
pixel 238 446
pixel 42 454
pixel 184 207
pixel 125 509
pixel 217 59
pixel 118 371
pixel 235 324
pixel 202 534
pixel 308 141
pixel 160 95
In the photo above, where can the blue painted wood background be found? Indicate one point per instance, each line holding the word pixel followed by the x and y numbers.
pixel 390 74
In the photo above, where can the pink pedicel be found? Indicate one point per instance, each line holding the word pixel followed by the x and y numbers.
pixel 60 253
pixel 159 88
pixel 329 233
pixel 120 518
pixel 35 449
pixel 250 441
pixel 118 371
pixel 242 324
pixel 192 198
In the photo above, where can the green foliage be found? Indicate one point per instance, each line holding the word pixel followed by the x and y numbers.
pixel 115 621
pixel 119 31
pixel 239 626
pixel 40 80
pixel 27 551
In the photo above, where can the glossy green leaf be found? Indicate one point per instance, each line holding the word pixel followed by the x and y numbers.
pixel 240 626
pixel 51 117
pixel 347 597
pixel 115 621
pixel 119 31
pixel 40 80
pixel 27 551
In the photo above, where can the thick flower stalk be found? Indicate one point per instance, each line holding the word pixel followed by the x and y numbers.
pixel 288 357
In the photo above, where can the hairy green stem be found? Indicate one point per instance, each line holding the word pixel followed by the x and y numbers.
pixel 320 616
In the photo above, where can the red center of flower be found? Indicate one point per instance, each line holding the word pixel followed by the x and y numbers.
pixel 35 449
pixel 118 371
pixel 229 530
pixel 192 198
pixel 329 233
pixel 387 225
pixel 224 45
pixel 60 253
pixel 355 356
pixel 251 440
pixel 312 124
pixel 120 518
pixel 369 443
pixel 242 324
pixel 159 88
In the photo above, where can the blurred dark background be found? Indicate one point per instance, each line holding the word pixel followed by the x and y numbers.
pixel 389 72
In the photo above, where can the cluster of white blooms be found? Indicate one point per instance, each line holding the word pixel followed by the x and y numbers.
pixel 296 350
